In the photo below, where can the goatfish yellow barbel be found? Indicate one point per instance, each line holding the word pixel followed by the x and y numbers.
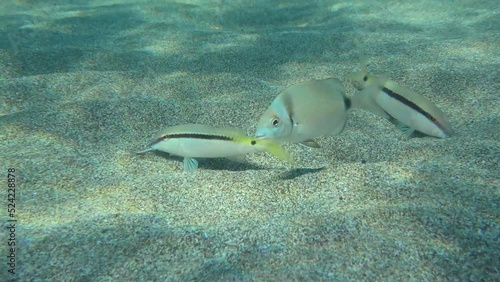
pixel 203 141
pixel 305 111
pixel 402 106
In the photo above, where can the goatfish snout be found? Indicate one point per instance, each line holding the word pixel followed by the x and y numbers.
pixel 305 111
pixel 402 106
pixel 203 141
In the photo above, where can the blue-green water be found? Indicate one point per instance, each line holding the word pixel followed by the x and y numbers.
pixel 86 84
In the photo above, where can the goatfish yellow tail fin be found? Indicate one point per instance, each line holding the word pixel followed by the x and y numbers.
pixel 274 148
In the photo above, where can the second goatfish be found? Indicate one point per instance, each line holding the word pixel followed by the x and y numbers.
pixel 203 141
pixel 305 111
pixel 407 109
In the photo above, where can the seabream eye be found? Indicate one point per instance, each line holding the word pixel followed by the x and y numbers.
pixel 275 121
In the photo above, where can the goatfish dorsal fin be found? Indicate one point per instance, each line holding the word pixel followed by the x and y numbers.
pixel 201 129
pixel 231 132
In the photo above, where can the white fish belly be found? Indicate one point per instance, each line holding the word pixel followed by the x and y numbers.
pixel 408 116
pixel 204 148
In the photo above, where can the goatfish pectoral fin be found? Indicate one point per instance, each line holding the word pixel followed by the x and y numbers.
pixel 274 148
pixel 407 130
pixel 190 164
pixel 310 143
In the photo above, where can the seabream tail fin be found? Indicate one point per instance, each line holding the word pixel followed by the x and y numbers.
pixel 365 100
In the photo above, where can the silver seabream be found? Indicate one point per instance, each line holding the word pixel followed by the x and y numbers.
pixel 305 111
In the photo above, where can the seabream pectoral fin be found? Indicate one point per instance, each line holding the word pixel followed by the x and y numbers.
pixel 310 143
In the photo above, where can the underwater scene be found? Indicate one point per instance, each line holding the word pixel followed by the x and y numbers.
pixel 198 140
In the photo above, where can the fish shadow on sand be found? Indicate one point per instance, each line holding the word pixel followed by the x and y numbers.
pixel 216 163
pixel 297 172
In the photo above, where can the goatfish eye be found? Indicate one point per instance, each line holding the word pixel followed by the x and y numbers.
pixel 158 140
pixel 275 121
pixel 365 78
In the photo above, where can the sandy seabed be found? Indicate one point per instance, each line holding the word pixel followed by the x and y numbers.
pixel 86 84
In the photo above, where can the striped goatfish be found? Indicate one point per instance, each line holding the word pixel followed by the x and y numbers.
pixel 407 109
pixel 305 111
pixel 203 141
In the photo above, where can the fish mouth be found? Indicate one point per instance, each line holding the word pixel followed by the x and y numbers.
pixel 260 136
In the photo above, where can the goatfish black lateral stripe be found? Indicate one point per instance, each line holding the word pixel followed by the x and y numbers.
pixel 407 103
pixel 413 106
pixel 191 136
